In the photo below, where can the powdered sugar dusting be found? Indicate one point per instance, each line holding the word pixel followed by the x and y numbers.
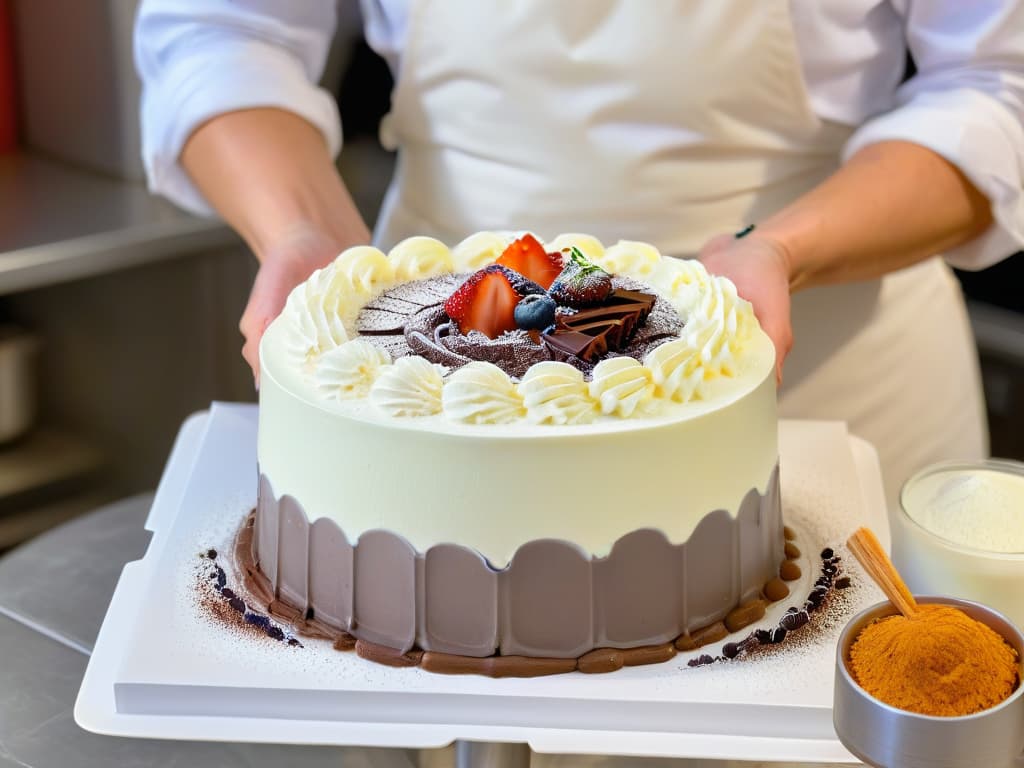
pixel 413 310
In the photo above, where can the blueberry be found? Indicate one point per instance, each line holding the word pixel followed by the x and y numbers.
pixel 237 604
pixel 275 632
pixel 827 553
pixel 535 312
pixel 731 650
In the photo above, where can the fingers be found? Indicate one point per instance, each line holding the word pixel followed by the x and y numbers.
pixel 758 270
pixel 266 300
pixel 774 318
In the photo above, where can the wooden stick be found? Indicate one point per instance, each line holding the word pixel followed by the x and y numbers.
pixel 868 550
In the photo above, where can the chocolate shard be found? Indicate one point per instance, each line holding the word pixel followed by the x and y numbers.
pixel 626 296
pixel 614 331
pixel 615 322
pixel 576 344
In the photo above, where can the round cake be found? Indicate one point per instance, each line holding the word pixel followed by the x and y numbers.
pixel 508 456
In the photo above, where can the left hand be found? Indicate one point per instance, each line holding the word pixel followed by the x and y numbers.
pixel 759 268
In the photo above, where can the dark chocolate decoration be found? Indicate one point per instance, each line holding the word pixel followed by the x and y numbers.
pixel 789 571
pixel 611 325
pixel 776 590
pixel 410 319
pixel 551 601
pixel 601 659
pixel 703 636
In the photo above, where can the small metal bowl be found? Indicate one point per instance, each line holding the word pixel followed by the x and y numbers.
pixel 17 382
pixel 932 564
pixel 886 737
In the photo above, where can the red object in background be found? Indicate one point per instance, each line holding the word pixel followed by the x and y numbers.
pixel 8 114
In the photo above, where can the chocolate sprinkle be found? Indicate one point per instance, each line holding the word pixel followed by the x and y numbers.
pixel 240 615
pixel 599 660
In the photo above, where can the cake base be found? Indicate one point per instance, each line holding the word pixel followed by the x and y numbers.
pixel 598 660
pixel 633 584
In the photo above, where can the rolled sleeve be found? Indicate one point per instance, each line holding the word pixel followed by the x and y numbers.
pixel 966 103
pixel 201 59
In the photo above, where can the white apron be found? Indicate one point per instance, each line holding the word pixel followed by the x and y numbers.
pixel 671 121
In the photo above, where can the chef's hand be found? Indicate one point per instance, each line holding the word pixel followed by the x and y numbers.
pixel 759 268
pixel 271 175
pixel 283 265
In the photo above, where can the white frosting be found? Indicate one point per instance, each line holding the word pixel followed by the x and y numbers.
pixel 314 317
pixel 555 393
pixel 630 258
pixel 435 480
pixel 365 271
pixel 717 327
pixel 480 444
pixel 481 393
pixel 478 250
pixel 676 370
pixel 417 258
pixel 410 387
pixel 720 327
pixel 348 371
pixel 621 385
pixel 588 245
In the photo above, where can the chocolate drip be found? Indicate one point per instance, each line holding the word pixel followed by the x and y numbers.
pixel 551 601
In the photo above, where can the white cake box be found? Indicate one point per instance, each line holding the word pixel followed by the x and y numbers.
pixel 162 668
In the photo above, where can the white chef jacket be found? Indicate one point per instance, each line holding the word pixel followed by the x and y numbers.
pixel 200 58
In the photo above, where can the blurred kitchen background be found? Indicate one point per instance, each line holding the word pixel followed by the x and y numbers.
pixel 119 313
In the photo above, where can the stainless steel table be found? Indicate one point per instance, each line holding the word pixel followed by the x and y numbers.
pixel 54 592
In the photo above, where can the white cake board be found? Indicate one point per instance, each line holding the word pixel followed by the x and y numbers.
pixel 162 669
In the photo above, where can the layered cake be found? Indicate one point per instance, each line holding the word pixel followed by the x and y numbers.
pixel 517 457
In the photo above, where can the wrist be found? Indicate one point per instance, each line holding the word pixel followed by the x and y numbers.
pixel 792 234
pixel 298 249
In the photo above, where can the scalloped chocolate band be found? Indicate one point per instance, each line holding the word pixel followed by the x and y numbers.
pixel 553 600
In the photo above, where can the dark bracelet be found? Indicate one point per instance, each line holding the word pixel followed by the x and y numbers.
pixel 745 231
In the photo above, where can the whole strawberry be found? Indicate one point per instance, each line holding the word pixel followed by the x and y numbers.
pixel 581 283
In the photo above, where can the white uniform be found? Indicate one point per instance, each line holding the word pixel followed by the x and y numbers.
pixel 667 121
pixel 661 120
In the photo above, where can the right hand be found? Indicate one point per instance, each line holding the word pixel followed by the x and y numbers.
pixel 283 265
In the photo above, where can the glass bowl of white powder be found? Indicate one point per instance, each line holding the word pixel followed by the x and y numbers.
pixel 960 532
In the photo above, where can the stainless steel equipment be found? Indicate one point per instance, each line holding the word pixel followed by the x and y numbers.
pixel 17 382
pixel 886 737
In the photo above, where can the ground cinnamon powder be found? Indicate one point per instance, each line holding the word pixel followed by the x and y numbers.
pixel 941 662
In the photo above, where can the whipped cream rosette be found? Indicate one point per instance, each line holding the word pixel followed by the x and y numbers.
pixel 635 331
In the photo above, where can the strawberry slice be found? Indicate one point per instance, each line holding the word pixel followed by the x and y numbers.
pixel 528 257
pixel 486 302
